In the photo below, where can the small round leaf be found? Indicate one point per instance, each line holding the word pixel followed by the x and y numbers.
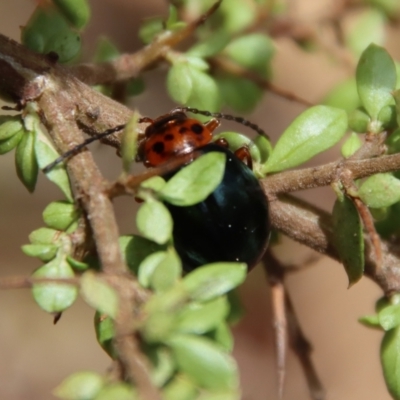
pixel 195 182
pixel 213 280
pixel 60 215
pixel 98 294
pixel 25 161
pixel 154 221
pixel 380 190
pixel 80 385
pixel 376 79
pixel 311 133
pixel 348 238
pixel 54 297
pixel 204 362
pixel 390 359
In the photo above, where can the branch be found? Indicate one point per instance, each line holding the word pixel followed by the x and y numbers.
pixel 311 226
pixel 129 66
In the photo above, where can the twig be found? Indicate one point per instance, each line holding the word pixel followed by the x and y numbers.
pixel 233 68
pixel 303 349
pixel 324 175
pixel 275 275
pixel 129 65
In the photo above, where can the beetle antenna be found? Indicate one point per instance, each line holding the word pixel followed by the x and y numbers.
pixel 80 146
pixel 228 117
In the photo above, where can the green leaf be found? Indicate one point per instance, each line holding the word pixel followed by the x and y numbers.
pixel 45 236
pixel 45 252
pixel 189 85
pixel 370 321
pixel 80 386
pixel 77 265
pixel 105 50
pixel 195 182
pixel 205 93
pixel 222 335
pixel 351 145
pixel 200 318
pixel 76 11
pixel 389 7
pixel 136 248
pixel 117 391
pixel 25 161
pixel 49 31
pixel 105 332
pixel 155 183
pixel 239 93
pixel 163 365
pixel 60 215
pixel 46 154
pixel 388 117
pixel 150 28
pixel 348 238
pixel 99 294
pixel 380 190
pixel 180 387
pixel 213 280
pixel 9 126
pixel 129 142
pixel 167 272
pixel 158 327
pixel 376 79
pixel 344 95
pixel 389 316
pixel 204 362
pixel 253 51
pixel 237 15
pixel 390 359
pixel 179 82
pixel 359 121
pixel 9 144
pixel 393 142
pixel 54 297
pixel 148 266
pixel 154 221
pixel 369 28
pixel 314 131
pixel 211 45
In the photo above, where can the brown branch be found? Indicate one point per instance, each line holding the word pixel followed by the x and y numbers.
pixel 311 226
pixel 233 68
pixel 303 350
pixel 130 65
pixel 324 175
pixel 275 275
pixel 25 282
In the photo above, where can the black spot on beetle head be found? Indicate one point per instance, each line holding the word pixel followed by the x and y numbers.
pixel 158 147
pixel 197 129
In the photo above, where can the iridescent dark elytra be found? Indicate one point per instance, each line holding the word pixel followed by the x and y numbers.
pixel 232 223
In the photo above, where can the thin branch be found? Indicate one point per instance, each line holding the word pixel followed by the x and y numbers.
pixel 303 350
pixel 324 175
pixel 26 282
pixel 275 275
pixel 130 65
pixel 233 68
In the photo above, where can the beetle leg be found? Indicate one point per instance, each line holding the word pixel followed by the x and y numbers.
pixel 243 154
pixel 212 124
pixel 222 142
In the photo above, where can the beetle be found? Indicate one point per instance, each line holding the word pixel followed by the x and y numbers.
pixel 232 223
